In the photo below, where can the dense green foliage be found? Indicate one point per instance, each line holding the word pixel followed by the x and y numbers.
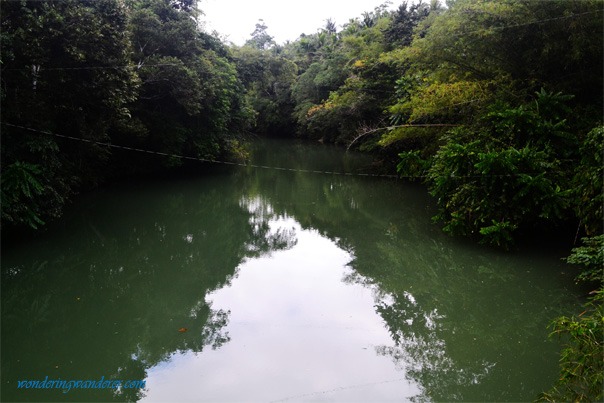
pixel 520 80
pixel 514 77
pixel 582 359
pixel 504 172
pixel 267 76
pixel 495 104
pixel 133 73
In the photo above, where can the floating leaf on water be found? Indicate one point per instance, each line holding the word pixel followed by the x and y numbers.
pixel 182 329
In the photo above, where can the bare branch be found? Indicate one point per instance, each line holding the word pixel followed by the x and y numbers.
pixel 365 130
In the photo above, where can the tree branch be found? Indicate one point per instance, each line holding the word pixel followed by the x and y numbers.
pixel 367 131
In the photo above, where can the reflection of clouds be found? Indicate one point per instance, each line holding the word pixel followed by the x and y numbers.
pixel 460 321
pixel 295 332
pixel 212 333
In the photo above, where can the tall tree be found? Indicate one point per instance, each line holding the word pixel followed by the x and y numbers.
pixel 260 38
pixel 268 77
pixel 190 98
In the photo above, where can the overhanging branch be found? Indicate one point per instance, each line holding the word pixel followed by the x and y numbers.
pixel 365 132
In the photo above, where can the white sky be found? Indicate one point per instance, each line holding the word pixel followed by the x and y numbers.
pixel 286 20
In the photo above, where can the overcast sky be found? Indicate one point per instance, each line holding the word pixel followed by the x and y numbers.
pixel 285 20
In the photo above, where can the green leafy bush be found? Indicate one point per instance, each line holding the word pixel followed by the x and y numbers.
pixel 591 257
pixel 507 173
pixel 20 188
pixel 588 182
pixel 582 359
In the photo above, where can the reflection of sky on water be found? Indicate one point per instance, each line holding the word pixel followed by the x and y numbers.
pixel 297 331
pixel 290 285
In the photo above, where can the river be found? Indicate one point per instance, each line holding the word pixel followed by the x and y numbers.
pixel 257 284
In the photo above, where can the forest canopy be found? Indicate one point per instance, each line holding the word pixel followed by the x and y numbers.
pixel 136 73
pixel 490 103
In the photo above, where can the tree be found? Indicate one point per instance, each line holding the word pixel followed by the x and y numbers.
pixel 260 39
pixel 131 73
pixel 476 65
pixel 404 20
pixel 350 82
pixel 330 26
pixel 588 183
pixel 532 44
pixel 268 78
pixel 66 69
pixel 189 87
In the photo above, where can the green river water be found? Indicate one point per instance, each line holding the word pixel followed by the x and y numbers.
pixel 249 284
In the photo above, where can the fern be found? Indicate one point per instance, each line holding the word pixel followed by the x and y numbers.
pixel 20 187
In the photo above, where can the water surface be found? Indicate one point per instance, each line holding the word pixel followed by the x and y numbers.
pixel 248 284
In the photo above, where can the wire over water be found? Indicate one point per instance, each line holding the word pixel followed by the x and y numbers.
pixel 207 160
pixel 214 161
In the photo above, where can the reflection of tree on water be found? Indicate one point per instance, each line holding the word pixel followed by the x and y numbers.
pixel 108 294
pixel 421 352
pixel 464 326
pixel 459 317
pixel 211 335
pixel 376 232
pixel 268 235
pixel 119 299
